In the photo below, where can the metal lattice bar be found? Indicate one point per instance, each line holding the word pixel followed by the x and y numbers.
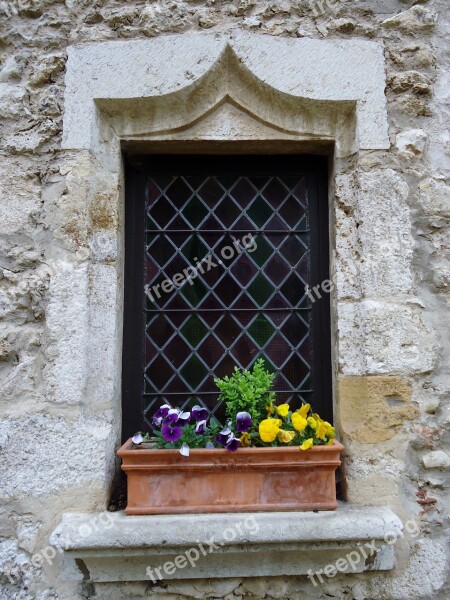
pixel 222 310
pixel 298 392
pixel 229 231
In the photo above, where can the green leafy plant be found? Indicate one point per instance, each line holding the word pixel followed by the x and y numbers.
pixel 248 391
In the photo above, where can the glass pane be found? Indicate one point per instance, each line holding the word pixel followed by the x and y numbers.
pixel 195 212
pixel 194 371
pixel 259 212
pixel 275 192
pixel 261 330
pixel 211 192
pixel 260 289
pixel 194 330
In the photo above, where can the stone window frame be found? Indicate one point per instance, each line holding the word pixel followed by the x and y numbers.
pixel 215 93
pixel 208 92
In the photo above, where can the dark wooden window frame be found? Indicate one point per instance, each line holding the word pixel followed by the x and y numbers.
pixel 137 168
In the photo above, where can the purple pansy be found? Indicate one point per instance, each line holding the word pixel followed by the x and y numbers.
pixel 184 418
pixel 243 422
pixel 199 413
pixel 162 411
pixel 222 436
pixel 137 439
pixel 200 428
pixel 172 416
pixel 175 415
pixel 171 431
pixel 184 450
pixel 160 415
pixel 233 443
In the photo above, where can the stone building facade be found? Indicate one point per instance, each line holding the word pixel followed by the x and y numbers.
pixel 365 81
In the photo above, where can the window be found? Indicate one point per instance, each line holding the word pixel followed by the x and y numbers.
pixel 197 302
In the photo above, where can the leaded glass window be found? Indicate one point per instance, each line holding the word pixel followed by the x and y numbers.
pixel 219 251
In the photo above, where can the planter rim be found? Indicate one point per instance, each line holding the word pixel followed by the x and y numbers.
pixel 126 450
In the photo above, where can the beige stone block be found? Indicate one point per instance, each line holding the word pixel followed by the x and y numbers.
pixel 374 408
pixel 376 490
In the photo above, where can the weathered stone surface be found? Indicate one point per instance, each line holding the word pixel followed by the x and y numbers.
pixel 66 329
pixel 410 81
pixel 378 337
pixel 48 70
pixel 434 197
pixel 416 20
pixel 374 409
pixel 348 243
pixel 424 577
pixel 44 449
pixel 436 460
pixel 411 144
pixel 17 575
pixel 19 194
pixel 414 55
pixel 384 231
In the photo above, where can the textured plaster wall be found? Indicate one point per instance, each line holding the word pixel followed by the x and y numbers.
pixel 391 211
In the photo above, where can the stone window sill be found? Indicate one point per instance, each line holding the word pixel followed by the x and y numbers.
pixel 120 548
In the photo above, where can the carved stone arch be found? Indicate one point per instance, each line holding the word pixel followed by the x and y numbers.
pixel 230 102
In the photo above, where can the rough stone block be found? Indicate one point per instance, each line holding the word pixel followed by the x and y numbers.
pixel 416 20
pixel 373 409
pixel 434 197
pixel 411 143
pixel 49 454
pixel 384 230
pixel 383 338
pixel 436 460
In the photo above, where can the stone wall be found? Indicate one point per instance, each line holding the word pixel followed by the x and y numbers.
pixel 391 322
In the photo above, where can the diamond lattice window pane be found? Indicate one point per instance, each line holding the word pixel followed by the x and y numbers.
pixel 248 305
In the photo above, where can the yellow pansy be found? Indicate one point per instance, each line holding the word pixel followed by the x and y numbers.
pixel 269 429
pixel 298 422
pixel 245 439
pixel 321 430
pixel 283 410
pixel 312 422
pixel 306 444
pixel 286 436
pixel 330 430
pixel 330 442
pixel 304 410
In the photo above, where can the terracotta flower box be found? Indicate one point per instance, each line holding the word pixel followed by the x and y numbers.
pixel 215 480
